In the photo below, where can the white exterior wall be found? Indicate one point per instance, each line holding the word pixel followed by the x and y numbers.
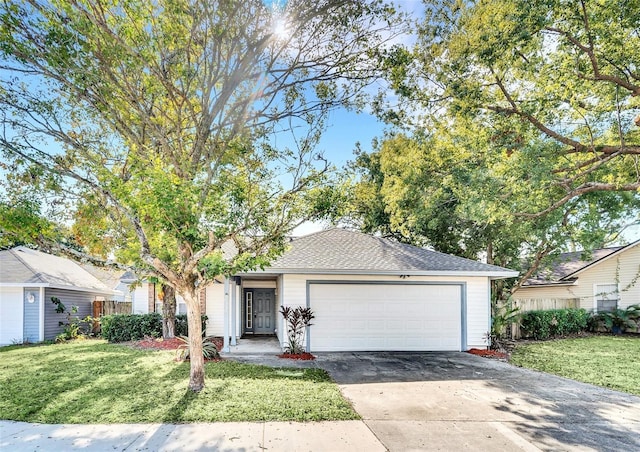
pixel 625 264
pixel 215 309
pixel 294 293
pixel 140 299
pixel 11 312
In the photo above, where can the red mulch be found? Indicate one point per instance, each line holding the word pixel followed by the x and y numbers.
pixel 487 353
pixel 300 356
pixel 150 343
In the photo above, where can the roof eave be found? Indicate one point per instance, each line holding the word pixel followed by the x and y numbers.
pixel 104 291
pixel 346 271
pixel 549 284
pixel 24 284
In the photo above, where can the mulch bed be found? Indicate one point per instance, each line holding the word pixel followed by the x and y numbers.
pixel 298 356
pixel 150 343
pixel 487 353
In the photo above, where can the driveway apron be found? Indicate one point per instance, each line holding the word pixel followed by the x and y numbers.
pixel 457 401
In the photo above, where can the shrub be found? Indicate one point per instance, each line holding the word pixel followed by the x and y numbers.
pixel 297 321
pixel 556 322
pixel 74 327
pixel 181 325
pixel 133 327
pixel 130 327
pixel 502 316
pixel 209 349
pixel 618 320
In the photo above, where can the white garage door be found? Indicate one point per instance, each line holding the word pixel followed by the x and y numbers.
pixel 11 313
pixel 385 317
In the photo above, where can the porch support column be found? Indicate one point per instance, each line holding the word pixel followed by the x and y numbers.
pixel 234 312
pixel 225 344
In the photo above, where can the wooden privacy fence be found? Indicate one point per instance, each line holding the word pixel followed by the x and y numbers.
pixel 108 307
pixel 540 304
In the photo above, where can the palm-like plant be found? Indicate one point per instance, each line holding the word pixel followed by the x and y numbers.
pixel 209 349
pixel 620 320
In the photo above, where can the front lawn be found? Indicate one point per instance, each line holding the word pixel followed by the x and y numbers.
pixel 609 361
pixel 95 382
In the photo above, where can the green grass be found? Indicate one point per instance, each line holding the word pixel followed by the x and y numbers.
pixel 608 361
pixel 95 382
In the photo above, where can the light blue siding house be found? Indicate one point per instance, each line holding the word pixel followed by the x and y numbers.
pixel 28 281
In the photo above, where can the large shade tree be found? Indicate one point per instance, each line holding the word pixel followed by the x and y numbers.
pixel 523 131
pixel 561 73
pixel 150 126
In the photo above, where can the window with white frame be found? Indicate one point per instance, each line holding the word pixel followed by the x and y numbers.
pixel 249 309
pixel 607 297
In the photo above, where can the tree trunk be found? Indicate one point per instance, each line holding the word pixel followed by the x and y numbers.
pixel 194 322
pixel 168 312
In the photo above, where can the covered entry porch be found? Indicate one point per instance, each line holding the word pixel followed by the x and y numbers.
pixel 251 305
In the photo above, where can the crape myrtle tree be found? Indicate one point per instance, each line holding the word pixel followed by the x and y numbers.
pixel 521 124
pixel 148 127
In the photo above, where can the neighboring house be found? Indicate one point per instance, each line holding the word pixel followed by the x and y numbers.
pixel 128 287
pixel 601 280
pixel 367 294
pixel 28 281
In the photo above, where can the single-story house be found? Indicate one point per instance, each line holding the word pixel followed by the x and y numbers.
pixel 28 281
pixel 601 280
pixel 367 294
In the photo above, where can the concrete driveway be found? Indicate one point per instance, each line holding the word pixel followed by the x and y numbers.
pixel 457 401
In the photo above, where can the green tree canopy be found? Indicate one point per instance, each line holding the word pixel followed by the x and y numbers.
pixel 521 125
pixel 153 123
pixel 559 74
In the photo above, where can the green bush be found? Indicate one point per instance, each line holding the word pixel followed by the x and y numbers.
pixel 133 327
pixel 181 325
pixel 556 322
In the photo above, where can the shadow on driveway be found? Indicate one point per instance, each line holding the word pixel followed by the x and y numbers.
pixel 447 400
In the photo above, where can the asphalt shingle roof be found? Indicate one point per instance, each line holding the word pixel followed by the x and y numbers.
pixel 342 250
pixel 21 265
pixel 562 269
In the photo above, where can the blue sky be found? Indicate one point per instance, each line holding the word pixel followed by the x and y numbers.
pixel 345 129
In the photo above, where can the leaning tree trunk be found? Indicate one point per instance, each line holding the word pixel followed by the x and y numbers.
pixel 168 312
pixel 194 323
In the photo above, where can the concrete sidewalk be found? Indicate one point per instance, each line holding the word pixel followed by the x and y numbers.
pixel 232 436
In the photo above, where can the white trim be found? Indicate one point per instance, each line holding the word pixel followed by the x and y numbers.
pixel 23 285
pixel 346 271
pixel 548 285
pixel 63 287
pixel 234 312
pixel 41 325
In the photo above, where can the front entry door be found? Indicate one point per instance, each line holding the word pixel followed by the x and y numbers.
pixel 264 311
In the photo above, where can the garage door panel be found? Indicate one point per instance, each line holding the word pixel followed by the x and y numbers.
pixel 370 317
